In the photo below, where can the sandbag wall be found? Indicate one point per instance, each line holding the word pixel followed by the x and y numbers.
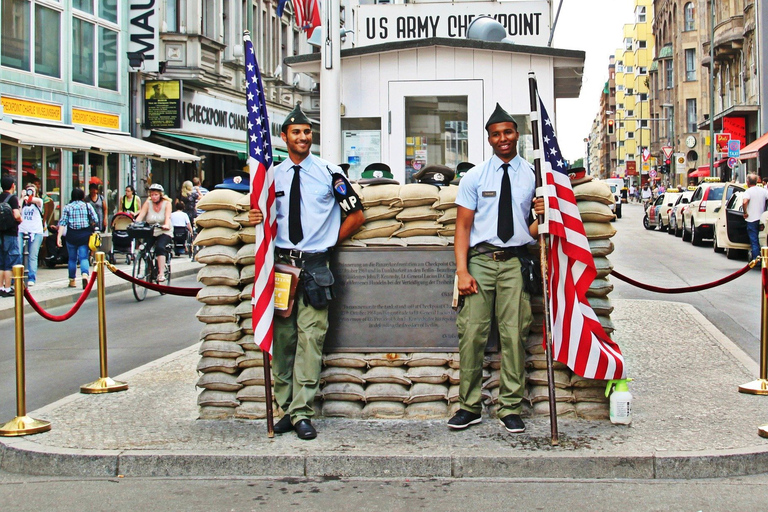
pixel 375 385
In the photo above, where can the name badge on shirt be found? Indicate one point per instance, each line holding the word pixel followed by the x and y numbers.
pixel 279 193
pixel 489 193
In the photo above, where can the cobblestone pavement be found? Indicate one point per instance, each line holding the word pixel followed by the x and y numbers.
pixel 686 403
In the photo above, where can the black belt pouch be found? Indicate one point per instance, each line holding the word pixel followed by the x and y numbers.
pixel 531 275
pixel 318 282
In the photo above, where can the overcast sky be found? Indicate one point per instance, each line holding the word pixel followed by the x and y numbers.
pixel 596 27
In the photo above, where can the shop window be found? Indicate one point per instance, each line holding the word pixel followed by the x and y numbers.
pixel 47 41
pixel 16 34
pixel 78 170
pixel 107 59
pixel 435 132
pixel 690 17
pixel 108 10
pixel 361 143
pixel 690 64
pixel 83 5
pixel 112 185
pixel 82 51
pixel 9 156
pixel 52 180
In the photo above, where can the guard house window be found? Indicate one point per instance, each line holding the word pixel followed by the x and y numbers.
pixel 24 24
pixel 690 115
pixel 690 64
pixel 668 73
pixel 690 17
pixel 95 44
pixel 435 132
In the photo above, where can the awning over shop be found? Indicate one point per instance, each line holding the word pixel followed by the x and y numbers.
pixel 133 146
pixel 227 145
pixel 71 139
pixel 753 148
pixel 235 147
pixel 703 170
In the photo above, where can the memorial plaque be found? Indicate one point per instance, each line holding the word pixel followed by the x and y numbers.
pixel 393 300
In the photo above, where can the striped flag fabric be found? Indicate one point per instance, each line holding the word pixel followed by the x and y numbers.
pixel 262 197
pixel 579 341
pixel 307 14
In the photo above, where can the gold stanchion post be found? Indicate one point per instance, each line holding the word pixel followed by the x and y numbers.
pixel 22 424
pixel 760 386
pixel 104 384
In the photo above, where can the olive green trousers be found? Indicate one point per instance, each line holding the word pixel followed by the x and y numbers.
pixel 500 295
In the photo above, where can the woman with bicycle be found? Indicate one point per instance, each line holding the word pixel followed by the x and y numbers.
pixel 158 211
pixel 32 229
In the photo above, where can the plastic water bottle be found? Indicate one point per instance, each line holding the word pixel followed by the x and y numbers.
pixel 621 401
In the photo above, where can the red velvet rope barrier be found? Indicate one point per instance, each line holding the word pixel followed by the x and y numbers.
pixel 69 314
pixel 170 290
pixel 686 289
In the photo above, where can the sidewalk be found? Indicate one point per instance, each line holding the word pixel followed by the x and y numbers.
pixel 51 289
pixel 689 422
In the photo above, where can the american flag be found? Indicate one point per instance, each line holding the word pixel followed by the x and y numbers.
pixel 307 13
pixel 579 340
pixel 263 198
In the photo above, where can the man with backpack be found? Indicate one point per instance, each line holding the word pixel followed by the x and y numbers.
pixel 10 217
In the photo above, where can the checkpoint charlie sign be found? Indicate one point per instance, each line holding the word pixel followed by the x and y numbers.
pixel 527 23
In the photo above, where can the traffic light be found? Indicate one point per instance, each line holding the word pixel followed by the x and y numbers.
pixel 665 168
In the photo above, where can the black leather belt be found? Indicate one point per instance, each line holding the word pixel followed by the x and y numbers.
pixel 298 256
pixel 498 253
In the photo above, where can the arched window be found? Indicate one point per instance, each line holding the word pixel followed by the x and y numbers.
pixel 690 17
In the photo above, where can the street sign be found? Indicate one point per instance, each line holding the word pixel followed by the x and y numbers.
pixel 733 162
pixel 734 148
pixel 646 154
pixel 667 150
pixel 680 163
pixel 652 173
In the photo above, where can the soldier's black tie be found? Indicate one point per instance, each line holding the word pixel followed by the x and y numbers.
pixel 295 233
pixel 505 226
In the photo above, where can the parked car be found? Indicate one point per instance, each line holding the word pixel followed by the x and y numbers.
pixel 675 226
pixel 700 216
pixel 665 207
pixel 731 229
pixel 652 213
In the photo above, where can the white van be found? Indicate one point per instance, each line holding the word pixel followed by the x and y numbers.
pixel 616 185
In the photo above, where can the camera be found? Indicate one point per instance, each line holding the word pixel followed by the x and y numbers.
pixel 30 192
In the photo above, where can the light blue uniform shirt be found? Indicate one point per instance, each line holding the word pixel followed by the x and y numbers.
pixel 479 190
pixel 320 214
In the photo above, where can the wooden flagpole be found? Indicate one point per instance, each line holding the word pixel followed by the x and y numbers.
pixel 268 394
pixel 543 257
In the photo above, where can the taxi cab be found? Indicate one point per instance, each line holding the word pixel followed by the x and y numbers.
pixel 731 229
pixel 676 214
pixel 700 216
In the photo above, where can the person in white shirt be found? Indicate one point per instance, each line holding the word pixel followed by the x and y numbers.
pixel 181 226
pixel 753 202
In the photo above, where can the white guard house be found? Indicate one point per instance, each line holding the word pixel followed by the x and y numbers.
pixel 414 91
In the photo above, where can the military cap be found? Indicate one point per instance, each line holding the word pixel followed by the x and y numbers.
pixel 377 174
pixel 435 175
pixel 236 180
pixel 345 169
pixel 297 116
pixel 500 116
pixel 461 170
pixel 578 175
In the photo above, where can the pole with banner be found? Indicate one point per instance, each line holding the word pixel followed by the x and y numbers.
pixel 262 198
pixel 543 257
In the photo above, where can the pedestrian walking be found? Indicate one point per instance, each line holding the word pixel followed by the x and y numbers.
pixel 96 200
pixel 130 203
pixel 188 197
pixel 753 204
pixel 80 219
pixel 31 229
pixel 309 225
pixel 493 230
pixel 10 217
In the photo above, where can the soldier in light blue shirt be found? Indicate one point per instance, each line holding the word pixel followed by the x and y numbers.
pixel 310 194
pixel 493 227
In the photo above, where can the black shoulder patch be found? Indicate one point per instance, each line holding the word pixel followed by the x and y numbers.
pixel 344 194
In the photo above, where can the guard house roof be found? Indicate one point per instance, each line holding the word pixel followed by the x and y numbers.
pixel 568 64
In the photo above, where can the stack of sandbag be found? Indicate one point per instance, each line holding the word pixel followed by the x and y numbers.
pixel 393 385
pixel 415 214
pixel 232 378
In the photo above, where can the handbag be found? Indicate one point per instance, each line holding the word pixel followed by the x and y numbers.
pixel 94 241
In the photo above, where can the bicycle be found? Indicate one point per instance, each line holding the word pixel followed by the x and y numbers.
pixel 144 263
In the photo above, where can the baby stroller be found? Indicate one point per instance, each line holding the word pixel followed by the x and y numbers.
pixel 122 242
pixel 180 240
